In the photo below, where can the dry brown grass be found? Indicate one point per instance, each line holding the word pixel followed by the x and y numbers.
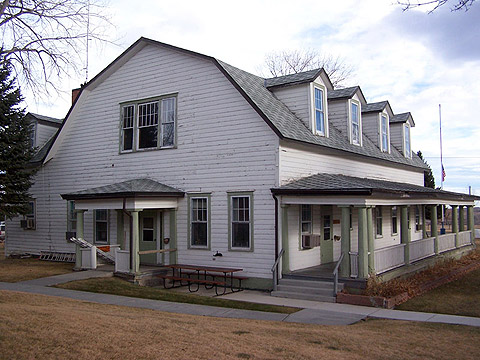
pixel 14 270
pixel 37 326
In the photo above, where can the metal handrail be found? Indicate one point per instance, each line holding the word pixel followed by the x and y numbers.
pixel 335 274
pixel 274 269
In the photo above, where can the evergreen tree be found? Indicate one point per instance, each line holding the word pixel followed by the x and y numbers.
pixel 428 179
pixel 15 148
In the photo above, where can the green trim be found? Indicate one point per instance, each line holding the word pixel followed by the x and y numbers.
pixel 433 212
pixel 461 213
pixel 173 237
pixel 471 222
pixel 285 246
pixel 135 242
pixel 405 232
pixel 345 244
pixel 455 224
pixel 424 224
pixel 233 194
pixel 362 243
pixel 209 212
pixel 371 240
pixel 120 226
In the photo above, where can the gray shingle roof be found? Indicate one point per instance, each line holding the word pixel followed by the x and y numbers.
pixel 374 107
pixel 299 78
pixel 345 93
pixel 46 118
pixel 289 126
pixel 130 188
pixel 41 153
pixel 400 118
pixel 348 185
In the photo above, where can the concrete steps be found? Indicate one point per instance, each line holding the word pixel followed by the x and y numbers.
pixel 313 290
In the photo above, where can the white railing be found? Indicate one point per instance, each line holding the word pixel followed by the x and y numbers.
pixel 464 238
pixel 446 242
pixel 122 261
pixel 420 249
pixel 389 258
pixel 353 264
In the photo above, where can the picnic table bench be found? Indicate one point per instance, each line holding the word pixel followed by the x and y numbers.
pixel 209 276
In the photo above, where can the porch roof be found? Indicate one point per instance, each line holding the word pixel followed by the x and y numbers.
pixel 129 189
pixel 336 184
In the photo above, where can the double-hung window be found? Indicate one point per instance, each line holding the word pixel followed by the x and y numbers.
pixel 408 151
pixel 394 220
pixel 327 227
pixel 241 221
pixel 306 223
pixel 148 125
pixel 384 133
pixel 418 218
pixel 199 221
pixel 319 112
pixel 378 221
pixel 355 123
pixel 101 226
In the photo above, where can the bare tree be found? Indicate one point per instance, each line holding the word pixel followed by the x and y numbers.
pixel 292 62
pixel 458 4
pixel 44 40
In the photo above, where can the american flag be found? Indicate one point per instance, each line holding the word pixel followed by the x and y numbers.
pixel 444 175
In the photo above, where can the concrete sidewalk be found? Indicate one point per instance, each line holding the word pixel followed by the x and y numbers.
pixel 312 312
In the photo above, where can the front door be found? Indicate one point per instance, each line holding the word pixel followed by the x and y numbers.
pixel 150 234
pixel 326 244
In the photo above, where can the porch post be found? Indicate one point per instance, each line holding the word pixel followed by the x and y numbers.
pixel 362 243
pixel 285 258
pixel 345 265
pixel 433 211
pixel 120 238
pixel 471 222
pixel 462 218
pixel 173 236
pixel 405 232
pixel 424 223
pixel 371 244
pixel 455 223
pixel 79 235
pixel 135 247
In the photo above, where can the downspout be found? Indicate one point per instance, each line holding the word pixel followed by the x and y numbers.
pixel 131 230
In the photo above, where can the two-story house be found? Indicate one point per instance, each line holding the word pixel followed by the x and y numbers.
pixel 168 149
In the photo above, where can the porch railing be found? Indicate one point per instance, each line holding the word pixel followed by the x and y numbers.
pixel 421 249
pixel 464 238
pixel 353 264
pixel 446 242
pixel 389 258
pixel 275 269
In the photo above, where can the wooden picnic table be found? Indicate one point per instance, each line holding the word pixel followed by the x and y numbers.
pixel 202 273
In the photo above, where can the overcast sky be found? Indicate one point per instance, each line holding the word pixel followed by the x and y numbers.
pixel 413 59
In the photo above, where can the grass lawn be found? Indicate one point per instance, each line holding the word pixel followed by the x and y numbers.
pixel 14 270
pixel 459 297
pixel 37 326
pixel 117 286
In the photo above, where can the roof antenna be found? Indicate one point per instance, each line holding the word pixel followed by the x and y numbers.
pixel 88 39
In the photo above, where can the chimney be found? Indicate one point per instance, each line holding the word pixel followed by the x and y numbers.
pixel 75 93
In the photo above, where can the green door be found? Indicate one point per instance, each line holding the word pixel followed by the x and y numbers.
pixel 326 244
pixel 149 235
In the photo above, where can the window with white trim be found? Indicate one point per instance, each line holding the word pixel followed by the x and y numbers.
pixel 306 220
pixel 327 227
pixel 355 123
pixel 408 150
pixel 319 111
pixel 199 222
pixel 384 133
pixel 378 221
pixel 29 219
pixel 148 125
pixel 71 216
pixel 241 226
pixel 101 226
pixel 418 218
pixel 394 220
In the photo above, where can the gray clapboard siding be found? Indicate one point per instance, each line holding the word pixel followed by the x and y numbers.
pixel 370 124
pixel 297 100
pixel 396 136
pixel 223 145
pixel 297 161
pixel 338 115
pixel 43 134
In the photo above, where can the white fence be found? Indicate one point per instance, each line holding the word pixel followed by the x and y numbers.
pixel 122 261
pixel 464 238
pixel 446 242
pixel 389 258
pixel 421 249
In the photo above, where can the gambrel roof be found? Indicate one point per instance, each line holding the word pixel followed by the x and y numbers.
pixel 274 112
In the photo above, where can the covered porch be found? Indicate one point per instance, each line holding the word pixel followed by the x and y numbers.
pixel 378 226
pixel 144 224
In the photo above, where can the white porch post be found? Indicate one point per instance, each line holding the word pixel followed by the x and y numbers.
pixel 371 243
pixel 433 211
pixel 362 243
pixel 79 235
pixel 135 257
pixel 120 224
pixel 286 256
pixel 424 223
pixel 173 237
pixel 345 239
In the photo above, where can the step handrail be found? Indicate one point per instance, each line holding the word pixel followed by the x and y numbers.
pixel 335 274
pixel 275 270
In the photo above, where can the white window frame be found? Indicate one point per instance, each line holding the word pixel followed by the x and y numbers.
pixel 231 198
pixel 193 221
pixel 418 218
pixel 378 216
pixel 330 228
pixel 394 212
pixel 406 135
pixel 359 117
pixel 384 147
pixel 323 110
pixel 95 221
pixel 161 121
pixel 306 220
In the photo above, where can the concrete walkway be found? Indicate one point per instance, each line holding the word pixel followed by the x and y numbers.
pixel 312 312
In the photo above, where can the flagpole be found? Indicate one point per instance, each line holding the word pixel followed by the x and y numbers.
pixel 441 158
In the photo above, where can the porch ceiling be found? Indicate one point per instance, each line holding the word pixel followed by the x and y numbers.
pixel 344 189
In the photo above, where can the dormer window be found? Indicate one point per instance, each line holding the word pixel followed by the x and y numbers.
pixel 408 150
pixel 384 133
pixel 355 123
pixel 319 112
